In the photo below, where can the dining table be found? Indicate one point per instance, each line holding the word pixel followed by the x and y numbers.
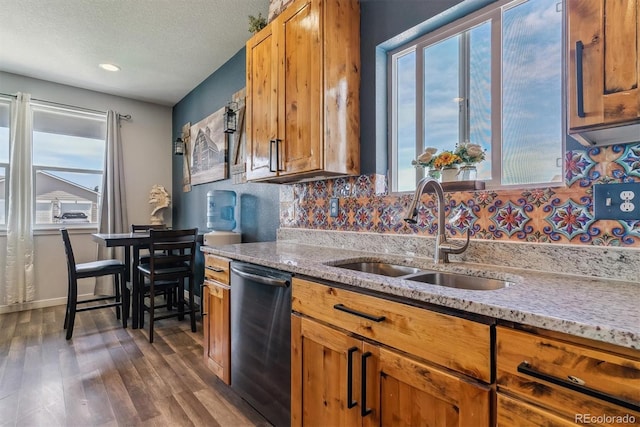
pixel 130 242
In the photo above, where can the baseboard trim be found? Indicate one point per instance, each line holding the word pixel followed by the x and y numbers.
pixel 12 308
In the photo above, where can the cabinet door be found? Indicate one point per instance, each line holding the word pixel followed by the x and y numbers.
pixel 261 104
pixel 321 377
pixel 412 393
pixel 217 344
pixel 299 87
pixel 608 32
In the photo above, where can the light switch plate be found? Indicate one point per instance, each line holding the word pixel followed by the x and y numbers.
pixel 334 206
pixel 617 201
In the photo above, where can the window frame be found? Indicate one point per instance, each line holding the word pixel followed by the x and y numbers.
pixel 492 13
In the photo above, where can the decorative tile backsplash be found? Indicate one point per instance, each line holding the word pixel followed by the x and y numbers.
pixel 544 215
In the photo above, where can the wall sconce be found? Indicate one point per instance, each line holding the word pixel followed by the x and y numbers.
pixel 230 118
pixel 178 147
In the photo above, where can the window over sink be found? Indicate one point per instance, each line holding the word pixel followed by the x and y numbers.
pixel 493 78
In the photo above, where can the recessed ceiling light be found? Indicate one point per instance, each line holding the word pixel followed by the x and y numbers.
pixel 109 67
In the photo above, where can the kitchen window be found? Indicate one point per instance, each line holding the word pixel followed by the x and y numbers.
pixel 493 78
pixel 68 148
pixel 68 162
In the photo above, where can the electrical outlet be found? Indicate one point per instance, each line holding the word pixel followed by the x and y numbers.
pixel 614 201
pixel 334 206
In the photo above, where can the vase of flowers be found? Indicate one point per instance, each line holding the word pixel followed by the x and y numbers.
pixel 426 160
pixel 469 154
pixel 447 162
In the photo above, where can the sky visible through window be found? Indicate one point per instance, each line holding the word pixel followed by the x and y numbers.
pixel 532 92
pixel 55 150
pixel 66 151
pixel 531 96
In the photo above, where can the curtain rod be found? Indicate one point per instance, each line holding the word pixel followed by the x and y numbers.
pixel 120 116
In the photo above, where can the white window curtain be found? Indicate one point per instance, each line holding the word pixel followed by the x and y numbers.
pixel 19 262
pixel 113 204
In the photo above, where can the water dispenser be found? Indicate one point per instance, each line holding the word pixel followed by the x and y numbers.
pixel 221 205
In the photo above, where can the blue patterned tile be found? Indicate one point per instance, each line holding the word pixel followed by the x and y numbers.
pixel 509 219
pixel 630 160
pixel 319 189
pixel 577 166
pixel 391 216
pixel 319 217
pixel 363 187
pixel 568 219
pixel 463 218
pixel 363 217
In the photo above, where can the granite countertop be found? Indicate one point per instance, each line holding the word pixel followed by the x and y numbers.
pixel 595 308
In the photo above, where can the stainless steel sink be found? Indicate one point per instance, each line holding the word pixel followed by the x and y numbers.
pixel 381 268
pixel 461 281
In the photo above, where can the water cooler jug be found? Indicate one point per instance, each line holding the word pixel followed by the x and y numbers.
pixel 221 206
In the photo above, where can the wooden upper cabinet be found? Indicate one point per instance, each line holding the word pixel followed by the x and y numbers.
pixel 261 103
pixel 607 93
pixel 303 90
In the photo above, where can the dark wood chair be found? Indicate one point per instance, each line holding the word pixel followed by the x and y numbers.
pixel 94 269
pixel 143 258
pixel 144 228
pixel 171 265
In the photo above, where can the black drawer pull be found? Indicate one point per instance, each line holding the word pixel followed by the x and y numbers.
pixel 346 309
pixel 216 269
pixel 350 402
pixel 525 368
pixel 364 411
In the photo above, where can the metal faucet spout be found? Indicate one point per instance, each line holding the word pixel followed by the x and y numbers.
pixel 443 248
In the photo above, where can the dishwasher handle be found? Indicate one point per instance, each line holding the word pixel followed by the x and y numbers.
pixel 263 280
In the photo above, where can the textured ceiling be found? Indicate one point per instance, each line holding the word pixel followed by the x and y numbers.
pixel 164 47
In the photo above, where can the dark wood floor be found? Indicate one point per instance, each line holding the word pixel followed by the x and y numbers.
pixel 109 376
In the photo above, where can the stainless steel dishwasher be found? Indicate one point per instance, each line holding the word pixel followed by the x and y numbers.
pixel 261 339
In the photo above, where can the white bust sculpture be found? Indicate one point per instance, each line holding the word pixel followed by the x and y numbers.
pixel 160 199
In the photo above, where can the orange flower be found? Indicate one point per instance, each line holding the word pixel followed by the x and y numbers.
pixel 445 159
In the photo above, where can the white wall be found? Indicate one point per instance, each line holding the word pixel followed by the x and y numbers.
pixel 147 156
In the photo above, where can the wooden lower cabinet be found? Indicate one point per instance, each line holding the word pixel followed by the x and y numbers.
pixel 558 381
pixel 338 379
pixel 217 343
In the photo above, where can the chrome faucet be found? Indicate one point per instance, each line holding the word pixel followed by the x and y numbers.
pixel 443 247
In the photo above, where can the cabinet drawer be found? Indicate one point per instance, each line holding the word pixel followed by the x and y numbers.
pixel 513 412
pixel 458 344
pixel 547 370
pixel 216 268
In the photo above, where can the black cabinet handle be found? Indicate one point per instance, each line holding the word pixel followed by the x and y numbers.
pixel 350 402
pixel 364 411
pixel 202 313
pixel 271 144
pixel 216 269
pixel 278 141
pixel 342 307
pixel 525 368
pixel 579 79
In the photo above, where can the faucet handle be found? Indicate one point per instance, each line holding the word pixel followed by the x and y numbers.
pixel 451 248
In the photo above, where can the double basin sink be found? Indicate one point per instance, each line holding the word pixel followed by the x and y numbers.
pixel 450 280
